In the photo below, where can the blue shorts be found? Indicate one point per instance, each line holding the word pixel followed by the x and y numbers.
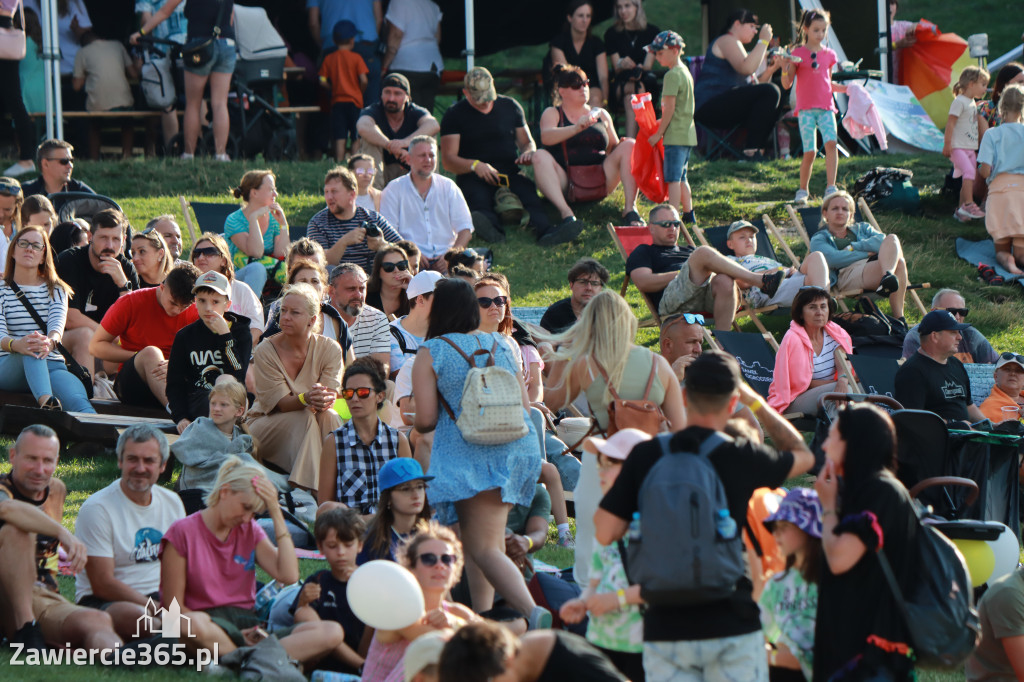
pixel 813 120
pixel 224 56
pixel 676 158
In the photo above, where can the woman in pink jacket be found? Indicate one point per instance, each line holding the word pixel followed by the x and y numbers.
pixel 805 366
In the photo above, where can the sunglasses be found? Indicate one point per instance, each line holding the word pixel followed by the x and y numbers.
pixel 64 161
pixel 9 188
pixel 205 251
pixel 962 312
pixel 362 392
pixel 1012 356
pixel 579 86
pixel 402 265
pixel 814 61
pixel 486 302
pixel 690 318
pixel 26 244
pixel 677 224
pixel 429 559
pixel 365 171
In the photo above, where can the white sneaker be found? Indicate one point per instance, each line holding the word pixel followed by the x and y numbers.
pixel 187 157
pixel 801 197
pixel 222 157
pixel 831 189
pixel 17 169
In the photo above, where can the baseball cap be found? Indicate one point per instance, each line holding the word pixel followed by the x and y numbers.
pixel 422 283
pixel 344 30
pixel 396 80
pixel 401 470
pixel 215 281
pixel 618 445
pixel 663 40
pixel 480 85
pixel 802 508
pixel 940 321
pixel 425 650
pixel 1007 358
pixel 740 225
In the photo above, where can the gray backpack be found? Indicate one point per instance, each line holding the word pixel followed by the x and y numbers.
pixel 680 558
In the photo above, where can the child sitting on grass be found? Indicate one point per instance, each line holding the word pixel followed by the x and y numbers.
pixel 742 239
pixel 338 535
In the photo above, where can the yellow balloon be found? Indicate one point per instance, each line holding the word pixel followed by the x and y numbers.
pixel 981 560
pixel 341 407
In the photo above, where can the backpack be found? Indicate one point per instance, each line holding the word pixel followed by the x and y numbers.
pixel 939 609
pixel 157 82
pixel 642 414
pixel 889 189
pixel 491 409
pixel 679 558
pixel 867 325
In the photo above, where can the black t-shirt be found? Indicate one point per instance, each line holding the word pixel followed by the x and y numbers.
pixel 923 384
pixel 490 137
pixel 203 15
pixel 586 58
pixel 94 291
pixel 198 357
pixel 333 605
pixel 627 43
pixel 37 186
pixel 574 659
pixel 743 467
pixel 558 317
pixel 659 259
pixel 413 114
pixel 858 603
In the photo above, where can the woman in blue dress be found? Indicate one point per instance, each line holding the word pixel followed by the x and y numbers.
pixel 474 484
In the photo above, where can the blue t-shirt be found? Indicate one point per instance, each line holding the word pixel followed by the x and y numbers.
pixel 359 12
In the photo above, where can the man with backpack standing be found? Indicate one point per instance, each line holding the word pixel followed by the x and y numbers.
pixel 701 621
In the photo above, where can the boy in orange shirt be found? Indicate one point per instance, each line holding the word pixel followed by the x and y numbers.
pixel 344 72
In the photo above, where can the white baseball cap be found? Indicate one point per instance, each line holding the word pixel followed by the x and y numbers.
pixel 422 283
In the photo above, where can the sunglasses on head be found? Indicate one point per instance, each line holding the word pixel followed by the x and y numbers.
pixel 9 188
pixel 962 312
pixel 402 265
pixel 362 392
pixel 1007 355
pixel 689 318
pixel 64 161
pixel 429 559
pixel 677 224
pixel 486 301
pixel 205 251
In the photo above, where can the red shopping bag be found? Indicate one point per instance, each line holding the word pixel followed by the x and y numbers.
pixel 647 162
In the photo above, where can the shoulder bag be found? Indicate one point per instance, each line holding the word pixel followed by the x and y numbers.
pixel 12 40
pixel 80 373
pixel 200 51
pixel 586 183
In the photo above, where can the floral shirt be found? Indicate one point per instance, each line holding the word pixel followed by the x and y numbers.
pixel 788 608
pixel 620 630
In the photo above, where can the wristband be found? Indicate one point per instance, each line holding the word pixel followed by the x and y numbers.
pixel 302 399
pixel 763 42
pixel 529 540
pixel 473 165
pixel 142 31
pixel 622 599
pixel 827 512
pixel 756 405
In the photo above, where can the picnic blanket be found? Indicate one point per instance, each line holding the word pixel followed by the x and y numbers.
pixel 984 251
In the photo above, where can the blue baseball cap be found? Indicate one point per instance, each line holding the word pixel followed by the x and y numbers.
pixel 802 508
pixel 401 470
pixel 344 30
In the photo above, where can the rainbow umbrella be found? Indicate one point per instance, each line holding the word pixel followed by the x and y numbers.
pixel 931 65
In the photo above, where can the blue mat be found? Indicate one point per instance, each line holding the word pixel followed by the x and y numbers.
pixel 984 251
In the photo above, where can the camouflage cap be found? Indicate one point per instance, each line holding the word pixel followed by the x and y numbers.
pixel 479 85
pixel 664 40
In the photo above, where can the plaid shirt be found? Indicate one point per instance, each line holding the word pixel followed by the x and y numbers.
pixel 358 465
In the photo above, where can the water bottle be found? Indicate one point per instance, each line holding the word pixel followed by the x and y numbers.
pixel 634 528
pixel 725 525
pixel 331 676
pixel 265 597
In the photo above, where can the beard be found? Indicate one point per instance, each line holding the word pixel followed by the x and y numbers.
pixel 392 107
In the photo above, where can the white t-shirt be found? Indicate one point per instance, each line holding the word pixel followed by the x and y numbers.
pixel 245 303
pixel 112 526
pixel 418 21
pixel 403 382
pixel 965 132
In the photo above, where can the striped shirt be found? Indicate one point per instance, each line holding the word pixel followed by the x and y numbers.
pixel 15 320
pixel 825 362
pixel 326 229
pixel 370 333
pixel 358 464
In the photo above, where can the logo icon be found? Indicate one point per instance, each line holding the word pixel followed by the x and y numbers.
pixel 170 621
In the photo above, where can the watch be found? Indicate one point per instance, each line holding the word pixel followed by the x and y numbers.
pixel 127 287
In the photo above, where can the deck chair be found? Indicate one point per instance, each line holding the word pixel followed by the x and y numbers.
pixel 874 375
pixel 209 217
pixel 626 238
pixel 754 352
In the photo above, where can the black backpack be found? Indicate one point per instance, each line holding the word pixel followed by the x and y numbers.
pixel 867 325
pixel 889 188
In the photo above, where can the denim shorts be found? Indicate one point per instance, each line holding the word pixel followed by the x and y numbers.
pixel 676 158
pixel 223 61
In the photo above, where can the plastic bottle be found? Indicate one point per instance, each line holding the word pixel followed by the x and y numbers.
pixel 725 525
pixel 331 676
pixel 634 528
pixel 265 597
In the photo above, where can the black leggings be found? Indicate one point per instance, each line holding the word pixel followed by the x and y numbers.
pixel 12 103
pixel 752 107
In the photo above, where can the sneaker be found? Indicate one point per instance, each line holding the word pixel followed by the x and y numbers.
pixel 770 282
pixel 831 189
pixel 485 229
pixel 224 158
pixel 540 619
pixel 801 197
pixel 888 285
pixel 974 210
pixel 963 215
pixel 17 169
pixel 187 157
pixel 566 542
pixel 30 635
pixel 563 232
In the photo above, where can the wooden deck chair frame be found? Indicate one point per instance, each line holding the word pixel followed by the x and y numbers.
pixel 841 296
pixel 655 319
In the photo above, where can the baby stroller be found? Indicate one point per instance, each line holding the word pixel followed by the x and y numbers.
pixel 71 205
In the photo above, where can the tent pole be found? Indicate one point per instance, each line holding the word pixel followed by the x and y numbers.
pixel 885 51
pixel 58 107
pixel 47 20
pixel 470 35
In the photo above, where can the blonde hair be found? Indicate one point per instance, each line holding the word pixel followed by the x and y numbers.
pixel 407 553
pixel 307 293
pixel 639 22
pixel 841 194
pixel 157 241
pixel 604 333
pixel 236 476
pixel 232 390
pixel 218 243
pixel 250 181
pixel 971 74
pixel 1011 101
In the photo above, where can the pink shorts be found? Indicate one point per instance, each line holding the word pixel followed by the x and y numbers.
pixel 965 163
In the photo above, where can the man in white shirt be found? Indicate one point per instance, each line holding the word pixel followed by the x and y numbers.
pixel 122 526
pixel 428 208
pixel 367 325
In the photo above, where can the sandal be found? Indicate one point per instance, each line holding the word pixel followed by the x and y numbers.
pixel 633 218
pixel 988 275
pixel 52 403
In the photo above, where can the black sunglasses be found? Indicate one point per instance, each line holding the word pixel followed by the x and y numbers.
pixel 677 224
pixel 814 61
pixel 430 559
pixel 204 251
pixel 962 312
pixel 1012 356
pixel 486 302
pixel 362 392
pixel 402 265
pixel 577 86
pixel 63 161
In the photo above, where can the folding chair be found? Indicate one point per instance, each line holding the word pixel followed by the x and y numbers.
pixel 209 217
pixel 626 238
pixel 875 376
pixel 715 143
pixel 754 352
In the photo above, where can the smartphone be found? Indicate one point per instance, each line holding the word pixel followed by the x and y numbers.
pixel 371 229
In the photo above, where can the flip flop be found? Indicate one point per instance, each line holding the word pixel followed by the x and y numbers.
pixel 988 275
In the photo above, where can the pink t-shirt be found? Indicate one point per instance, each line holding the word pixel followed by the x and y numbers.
pixel 814 86
pixel 219 573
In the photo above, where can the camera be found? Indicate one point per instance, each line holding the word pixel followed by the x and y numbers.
pixel 371 229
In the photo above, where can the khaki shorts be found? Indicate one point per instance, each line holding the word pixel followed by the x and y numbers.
pixel 852 276
pixel 683 296
pixel 51 611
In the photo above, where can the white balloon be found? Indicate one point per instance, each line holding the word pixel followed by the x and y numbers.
pixel 385 596
pixel 1007 553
